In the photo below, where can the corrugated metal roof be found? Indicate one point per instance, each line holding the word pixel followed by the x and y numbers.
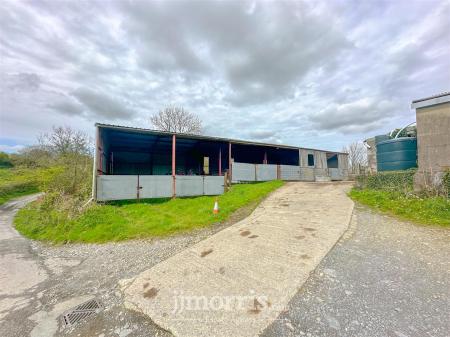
pixel 192 136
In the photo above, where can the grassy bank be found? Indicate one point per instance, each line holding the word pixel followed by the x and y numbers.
pixel 16 182
pixel 426 210
pixel 130 220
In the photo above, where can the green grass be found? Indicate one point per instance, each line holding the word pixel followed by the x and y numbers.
pixel 427 211
pixel 16 182
pixel 130 220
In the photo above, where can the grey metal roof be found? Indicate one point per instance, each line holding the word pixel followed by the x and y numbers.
pixel 430 101
pixel 193 136
pixel 431 97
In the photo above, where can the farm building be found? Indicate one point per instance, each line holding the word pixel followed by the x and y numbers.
pixel 433 139
pixel 134 163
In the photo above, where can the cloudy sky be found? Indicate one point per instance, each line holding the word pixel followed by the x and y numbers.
pixel 314 74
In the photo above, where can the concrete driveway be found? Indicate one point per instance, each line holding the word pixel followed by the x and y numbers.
pixel 384 277
pixel 238 281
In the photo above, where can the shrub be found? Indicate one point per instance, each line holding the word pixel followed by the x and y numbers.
pixel 401 181
pixel 446 182
pixel 5 160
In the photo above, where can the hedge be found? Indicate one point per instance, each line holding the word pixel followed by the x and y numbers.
pixel 401 181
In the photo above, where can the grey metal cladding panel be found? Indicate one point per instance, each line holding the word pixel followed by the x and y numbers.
pixel 111 187
pixel 335 174
pixel 187 186
pixel 213 185
pixel 307 173
pixel 266 172
pixel 155 186
pixel 321 172
pixel 243 172
pixel 289 172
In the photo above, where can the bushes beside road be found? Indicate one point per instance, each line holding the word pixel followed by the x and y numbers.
pixel 392 192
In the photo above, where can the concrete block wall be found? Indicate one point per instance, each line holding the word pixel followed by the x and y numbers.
pixel 433 144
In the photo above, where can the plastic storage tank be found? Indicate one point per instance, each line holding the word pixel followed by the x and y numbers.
pixel 397 154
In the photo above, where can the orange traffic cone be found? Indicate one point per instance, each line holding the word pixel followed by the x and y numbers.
pixel 216 207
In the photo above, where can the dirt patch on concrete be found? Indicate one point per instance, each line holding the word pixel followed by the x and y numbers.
pixel 151 293
pixel 206 252
pixel 245 233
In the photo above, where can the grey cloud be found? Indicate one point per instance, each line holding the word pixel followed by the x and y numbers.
pixel 22 82
pixel 102 105
pixel 261 54
pixel 68 107
pixel 356 116
pixel 261 134
pixel 315 70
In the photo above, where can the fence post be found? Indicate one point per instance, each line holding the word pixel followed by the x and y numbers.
pixel 174 188
pixel 225 182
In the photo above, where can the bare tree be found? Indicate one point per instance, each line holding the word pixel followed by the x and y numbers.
pixel 64 141
pixel 357 156
pixel 71 150
pixel 176 119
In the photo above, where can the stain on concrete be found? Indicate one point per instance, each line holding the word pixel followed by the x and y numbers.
pixel 19 274
pixel 206 252
pixel 256 307
pixel 222 270
pixel 253 236
pixel 145 285
pixel 245 233
pixel 151 293
pixel 299 237
pixel 307 229
pixel 305 256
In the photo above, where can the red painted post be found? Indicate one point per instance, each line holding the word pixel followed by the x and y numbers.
pixel 229 160
pixel 174 189
pixel 100 154
pixel 220 161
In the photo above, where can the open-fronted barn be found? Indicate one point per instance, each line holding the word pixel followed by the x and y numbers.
pixel 133 163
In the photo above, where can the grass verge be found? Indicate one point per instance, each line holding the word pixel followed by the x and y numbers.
pixel 125 220
pixel 22 181
pixel 428 211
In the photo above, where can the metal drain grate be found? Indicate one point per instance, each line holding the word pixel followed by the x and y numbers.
pixel 81 312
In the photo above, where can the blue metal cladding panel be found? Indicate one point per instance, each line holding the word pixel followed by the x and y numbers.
pixel 397 154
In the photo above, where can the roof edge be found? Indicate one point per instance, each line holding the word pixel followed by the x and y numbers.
pixel 188 135
pixel 430 101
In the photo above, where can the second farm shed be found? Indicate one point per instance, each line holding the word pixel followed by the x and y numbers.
pixel 133 163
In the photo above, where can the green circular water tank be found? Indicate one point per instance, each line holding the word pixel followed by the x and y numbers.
pixel 397 154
